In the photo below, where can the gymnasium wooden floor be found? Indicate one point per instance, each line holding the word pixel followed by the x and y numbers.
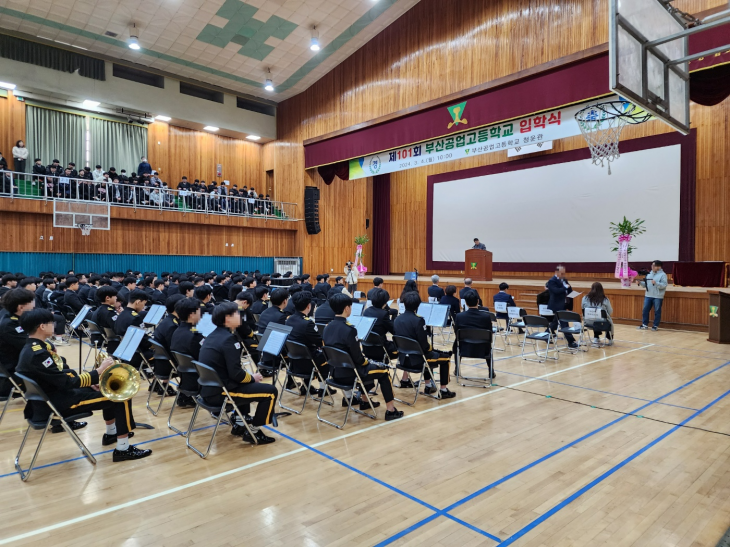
pixel 627 445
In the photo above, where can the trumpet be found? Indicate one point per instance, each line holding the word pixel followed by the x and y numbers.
pixel 120 382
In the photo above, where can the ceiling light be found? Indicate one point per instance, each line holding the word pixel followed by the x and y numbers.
pixel 133 41
pixel 6 85
pixel 91 104
pixel 211 128
pixel 163 118
pixel 268 84
pixel 314 44
pixel 253 137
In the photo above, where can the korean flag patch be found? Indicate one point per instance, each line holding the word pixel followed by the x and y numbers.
pixel 425 327
pixel 237 345
pixel 19 329
pixel 316 329
pixel 48 362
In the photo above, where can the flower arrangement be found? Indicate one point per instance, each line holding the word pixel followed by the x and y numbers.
pixel 624 232
pixel 360 241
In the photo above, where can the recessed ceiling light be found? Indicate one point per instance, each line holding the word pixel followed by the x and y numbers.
pixel 211 128
pixel 163 118
pixel 6 85
pixel 268 84
pixel 314 43
pixel 253 137
pixel 91 104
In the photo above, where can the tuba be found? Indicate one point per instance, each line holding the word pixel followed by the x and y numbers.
pixel 120 382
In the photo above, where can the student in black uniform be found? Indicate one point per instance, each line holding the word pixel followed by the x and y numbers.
pixel 187 289
pixel 410 325
pixel 377 284
pixel 324 314
pixel 105 315
pixel 261 300
pixel 128 285
pixel 341 335
pixel 222 352
pixel 187 340
pixel 69 391
pixel 163 335
pixel 12 336
pixel 322 288
pixel 305 332
pixel 279 301
pixel 71 297
pixel 205 294
pixel 248 325
pixel 382 326
pixel 132 316
pixel 473 318
pixel 306 285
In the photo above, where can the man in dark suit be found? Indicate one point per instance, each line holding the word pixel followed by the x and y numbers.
pixel 434 291
pixel 473 318
pixel 559 290
pixel 478 245
pixel 467 287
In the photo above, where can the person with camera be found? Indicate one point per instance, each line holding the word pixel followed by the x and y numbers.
pixel 350 278
pixel 655 284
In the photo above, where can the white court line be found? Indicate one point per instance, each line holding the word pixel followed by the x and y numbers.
pixel 132 503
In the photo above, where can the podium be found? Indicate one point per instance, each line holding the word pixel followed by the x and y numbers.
pixel 478 265
pixel 719 317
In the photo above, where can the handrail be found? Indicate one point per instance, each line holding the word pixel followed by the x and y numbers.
pixel 17 185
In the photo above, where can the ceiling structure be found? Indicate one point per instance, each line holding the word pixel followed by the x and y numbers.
pixel 227 43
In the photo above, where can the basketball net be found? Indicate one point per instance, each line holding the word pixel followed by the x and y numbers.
pixel 601 125
pixel 85 229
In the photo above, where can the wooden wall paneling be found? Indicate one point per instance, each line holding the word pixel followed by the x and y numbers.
pixel 12 127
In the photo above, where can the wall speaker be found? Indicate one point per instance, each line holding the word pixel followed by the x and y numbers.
pixel 311 209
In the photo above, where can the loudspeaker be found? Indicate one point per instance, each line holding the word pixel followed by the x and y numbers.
pixel 311 209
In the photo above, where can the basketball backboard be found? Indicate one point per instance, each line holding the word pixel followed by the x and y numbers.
pixel 644 63
pixel 72 214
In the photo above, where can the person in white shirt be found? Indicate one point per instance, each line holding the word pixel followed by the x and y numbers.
pixel 20 156
pixel 98 174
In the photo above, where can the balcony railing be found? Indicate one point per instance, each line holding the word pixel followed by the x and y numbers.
pixel 50 187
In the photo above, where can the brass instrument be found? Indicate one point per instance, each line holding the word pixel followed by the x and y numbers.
pixel 120 382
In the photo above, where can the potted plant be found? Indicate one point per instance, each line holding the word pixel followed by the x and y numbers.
pixel 624 231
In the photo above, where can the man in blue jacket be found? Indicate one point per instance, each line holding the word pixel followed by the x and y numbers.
pixel 656 285
pixel 144 168
pixel 559 290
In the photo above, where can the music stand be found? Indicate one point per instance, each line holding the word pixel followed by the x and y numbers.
pixel 205 326
pixel 357 309
pixel 274 338
pixel 154 316
pixel 363 325
pixel 424 310
pixel 439 316
pixel 75 324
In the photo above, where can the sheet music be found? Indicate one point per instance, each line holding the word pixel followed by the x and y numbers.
pixel 363 325
pixel 438 316
pixel 129 344
pixel 464 307
pixel 275 342
pixel 357 309
pixel 424 310
pixel 80 317
pixel 205 326
pixel 155 314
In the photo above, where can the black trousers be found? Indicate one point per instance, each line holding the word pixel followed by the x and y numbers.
pixel 377 354
pixel 368 373
pixel 263 394
pixel 301 366
pixel 554 325
pixel 443 361
pixel 189 382
pixel 6 385
pixel 90 399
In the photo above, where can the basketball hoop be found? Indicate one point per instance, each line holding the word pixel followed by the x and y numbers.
pixel 85 229
pixel 601 125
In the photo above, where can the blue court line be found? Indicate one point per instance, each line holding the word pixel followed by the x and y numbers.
pixel 103 452
pixel 529 466
pixel 514 537
pixel 437 512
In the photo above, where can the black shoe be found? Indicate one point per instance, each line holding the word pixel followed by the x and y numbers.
pixel 393 415
pixel 573 345
pixel 446 394
pixel 131 453
pixel 406 384
pixel 171 391
pixel 330 391
pixel 260 437
pixel 428 390
pixel 58 428
pixel 158 389
pixel 239 430
pixel 185 402
pixel 364 405
pixel 106 440
pixel 355 401
pixel 291 384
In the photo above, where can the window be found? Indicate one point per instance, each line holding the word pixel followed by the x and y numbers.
pixel 139 76
pixel 201 92
pixel 254 106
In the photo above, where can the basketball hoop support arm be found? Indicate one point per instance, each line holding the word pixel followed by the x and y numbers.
pixel 688 32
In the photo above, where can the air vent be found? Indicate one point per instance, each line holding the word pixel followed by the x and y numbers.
pixel 201 92
pixel 254 106
pixel 112 34
pixel 139 76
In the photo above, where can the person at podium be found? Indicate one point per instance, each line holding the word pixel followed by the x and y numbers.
pixel 478 245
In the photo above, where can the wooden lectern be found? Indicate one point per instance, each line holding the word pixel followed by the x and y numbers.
pixel 719 317
pixel 478 265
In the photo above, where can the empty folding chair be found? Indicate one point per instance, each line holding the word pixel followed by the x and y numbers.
pixel 575 328
pixel 498 331
pixel 208 377
pixel 411 348
pixel 161 380
pixel 340 361
pixel 184 366
pixel 472 344
pixel 537 330
pixel 300 352
pixel 33 392
pixel 5 375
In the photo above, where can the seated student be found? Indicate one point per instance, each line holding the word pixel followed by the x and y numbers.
pixel 434 291
pixel 105 316
pixel 289 309
pixel 68 390
pixel 305 332
pixel 261 300
pixel 322 288
pixel 248 325
pixel 324 314
pixel 596 298
pixel 382 326
pixel 8 282
pixel 504 296
pixel 222 352
pixel 158 295
pixel 377 284
pixel 205 295
pixel 474 318
pixel 410 325
pixel 341 335
pixel 450 300
pixel 187 340
pixel 71 296
pixel 220 291
pixel 187 289
pixel 132 316
pixel 339 286
pixel 12 335
pixel 279 300
pixel 128 285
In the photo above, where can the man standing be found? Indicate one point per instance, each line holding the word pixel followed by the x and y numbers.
pixel 477 245
pixel 656 285
pixel 559 290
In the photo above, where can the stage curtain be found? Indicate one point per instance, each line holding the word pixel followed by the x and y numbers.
pixel 118 145
pixel 699 274
pixel 711 86
pixel 340 170
pixel 51 134
pixel 381 224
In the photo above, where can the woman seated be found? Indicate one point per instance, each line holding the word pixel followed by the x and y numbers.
pixel 597 299
pixel 450 300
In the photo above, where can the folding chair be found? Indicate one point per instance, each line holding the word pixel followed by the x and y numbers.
pixel 300 352
pixel 338 359
pixel 532 324
pixel 33 392
pixel 600 322
pixel 498 331
pixel 184 366
pixel 96 337
pixel 411 348
pixel 5 375
pixel 476 339
pixel 513 325
pixel 207 377
pixel 577 329
pixel 376 344
pixel 158 379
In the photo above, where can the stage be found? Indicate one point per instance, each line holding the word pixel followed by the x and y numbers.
pixel 685 308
